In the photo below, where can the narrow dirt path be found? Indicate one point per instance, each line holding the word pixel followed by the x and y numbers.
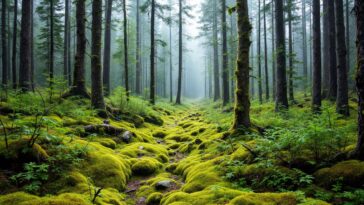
pixel 175 118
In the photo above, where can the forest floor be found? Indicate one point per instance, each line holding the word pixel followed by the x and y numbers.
pixel 62 153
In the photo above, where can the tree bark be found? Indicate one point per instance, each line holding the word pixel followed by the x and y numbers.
pixel 14 49
pixel 359 11
pixel 67 44
pixel 342 101
pixel 97 98
pixel 170 58
pixel 290 52
pixel 242 102
pixel 51 51
pixel 180 55
pixel 225 62
pixel 332 53
pixel 152 54
pixel 326 52
pixel 4 43
pixel 126 58
pixel 79 83
pixel 316 87
pixel 265 53
pixel 217 95
pixel 138 71
pixel 304 53
pixel 107 47
pixel 281 92
pixel 25 39
pixel 274 70
pixel 260 88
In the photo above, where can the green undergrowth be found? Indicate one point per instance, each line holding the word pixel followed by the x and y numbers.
pixel 169 154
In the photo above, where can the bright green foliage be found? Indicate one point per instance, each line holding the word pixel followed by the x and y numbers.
pixel 34 176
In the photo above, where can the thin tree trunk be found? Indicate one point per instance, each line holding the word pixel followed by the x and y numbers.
pixel 107 47
pixel 342 101
pixel 304 53
pixel 66 54
pixel 126 60
pixel 14 53
pixel 281 92
pixel 260 88
pixel 265 54
pixel 216 55
pixel 4 43
pixel 170 59
pixel 316 87
pixel 242 103
pixel 274 70
pixel 290 52
pixel 326 52
pixel 51 51
pixel 225 62
pixel 25 39
pixel 138 71
pixel 359 11
pixel 180 55
pixel 347 12
pixel 97 98
pixel 32 61
pixel 152 55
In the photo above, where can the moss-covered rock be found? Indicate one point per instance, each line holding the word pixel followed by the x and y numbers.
pixel 136 150
pixel 106 142
pixel 154 199
pixel 21 198
pixel 145 166
pixel 265 198
pixel 351 172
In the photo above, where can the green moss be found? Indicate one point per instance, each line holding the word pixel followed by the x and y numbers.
pixel 110 196
pixel 21 198
pixel 108 170
pixel 179 138
pixel 265 198
pixel 154 199
pixel 159 134
pixel 145 166
pixel 74 182
pixel 136 150
pixel 106 142
pixel 351 172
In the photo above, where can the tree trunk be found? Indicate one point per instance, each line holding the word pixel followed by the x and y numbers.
pixel 332 53
pixel 170 58
pixel 32 61
pixel 225 63
pixel 316 87
pixel 359 11
pixel 342 101
pixel 152 55
pixel 25 39
pixel 51 51
pixel 126 60
pixel 304 53
pixel 107 47
pixel 138 70
pixel 265 54
pixel 242 102
pixel 97 98
pixel 67 43
pixel 216 55
pixel 79 83
pixel 326 52
pixel 290 52
pixel 347 12
pixel 281 92
pixel 260 88
pixel 180 55
pixel 274 70
pixel 4 43
pixel 15 36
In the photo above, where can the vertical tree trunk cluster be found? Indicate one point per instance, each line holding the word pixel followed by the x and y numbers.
pixel 67 45
pixel 138 70
pixel 242 103
pixel 216 55
pixel 152 54
pixel 225 62
pixel 14 49
pixel 126 55
pixel 180 54
pixel 259 48
pixel 4 44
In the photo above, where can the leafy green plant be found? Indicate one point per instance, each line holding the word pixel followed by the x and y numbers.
pixel 33 177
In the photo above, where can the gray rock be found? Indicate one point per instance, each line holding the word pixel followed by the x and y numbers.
pixel 127 136
pixel 163 185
